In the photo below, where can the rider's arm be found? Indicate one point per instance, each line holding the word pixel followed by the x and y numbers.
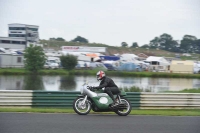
pixel 105 84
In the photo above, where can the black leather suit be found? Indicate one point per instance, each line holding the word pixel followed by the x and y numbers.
pixel 110 87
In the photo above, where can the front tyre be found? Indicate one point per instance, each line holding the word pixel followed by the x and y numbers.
pixel 81 108
pixel 125 112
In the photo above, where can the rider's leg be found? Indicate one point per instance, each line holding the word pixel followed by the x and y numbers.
pixel 108 91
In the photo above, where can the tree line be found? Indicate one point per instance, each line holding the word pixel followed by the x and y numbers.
pixel 188 44
pixel 77 39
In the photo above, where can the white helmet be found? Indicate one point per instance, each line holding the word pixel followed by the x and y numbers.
pixel 100 75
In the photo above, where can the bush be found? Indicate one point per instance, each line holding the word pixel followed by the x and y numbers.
pixel 68 62
pixel 131 89
pixel 34 58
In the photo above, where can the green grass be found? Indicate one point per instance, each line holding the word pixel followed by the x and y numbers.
pixel 137 89
pixel 167 112
pixel 187 91
pixel 164 112
pixel 190 91
pixel 131 89
pixel 17 71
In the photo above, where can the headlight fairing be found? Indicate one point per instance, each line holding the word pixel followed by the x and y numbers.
pixel 82 90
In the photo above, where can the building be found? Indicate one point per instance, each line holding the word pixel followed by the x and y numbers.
pixel 24 31
pixel 182 67
pixel 159 64
pixel 12 43
pixel 11 60
pixel 20 36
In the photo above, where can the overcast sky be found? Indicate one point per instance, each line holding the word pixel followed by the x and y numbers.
pixel 104 21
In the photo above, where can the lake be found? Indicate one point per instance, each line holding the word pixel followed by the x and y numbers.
pixel 74 83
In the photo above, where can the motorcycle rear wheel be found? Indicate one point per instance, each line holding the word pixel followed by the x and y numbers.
pixel 125 112
pixel 81 109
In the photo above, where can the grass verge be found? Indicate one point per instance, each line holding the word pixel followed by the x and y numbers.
pixel 163 112
pixel 186 91
pixel 18 71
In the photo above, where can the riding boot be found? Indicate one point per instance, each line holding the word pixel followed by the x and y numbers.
pixel 114 102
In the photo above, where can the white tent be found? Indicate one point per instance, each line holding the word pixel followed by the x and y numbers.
pixel 196 68
pixel 161 60
pixel 128 57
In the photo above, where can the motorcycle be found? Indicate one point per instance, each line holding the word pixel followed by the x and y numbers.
pixel 99 101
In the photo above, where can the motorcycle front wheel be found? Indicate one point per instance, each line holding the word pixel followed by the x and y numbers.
pixel 125 112
pixel 80 107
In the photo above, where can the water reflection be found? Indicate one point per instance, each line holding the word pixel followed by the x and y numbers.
pixel 33 82
pixel 74 83
pixel 51 83
pixel 11 82
pixel 67 83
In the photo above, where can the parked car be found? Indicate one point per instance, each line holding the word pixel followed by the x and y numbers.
pixel 49 65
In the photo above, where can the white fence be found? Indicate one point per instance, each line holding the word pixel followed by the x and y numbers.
pixel 169 100
pixel 144 100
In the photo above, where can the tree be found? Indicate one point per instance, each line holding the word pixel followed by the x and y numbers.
pixel 52 39
pixel 165 42
pixel 57 39
pixel 60 39
pixel 34 58
pixel 197 42
pixel 124 44
pixel 67 83
pixel 145 46
pixel 155 43
pixel 68 61
pixel 134 45
pixel 80 39
pixel 189 43
pixel 33 82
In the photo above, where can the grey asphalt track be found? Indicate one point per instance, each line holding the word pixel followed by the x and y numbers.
pixel 73 123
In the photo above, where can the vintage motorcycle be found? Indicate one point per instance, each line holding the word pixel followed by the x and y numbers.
pixel 100 102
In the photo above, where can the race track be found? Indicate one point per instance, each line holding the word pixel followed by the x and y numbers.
pixel 73 123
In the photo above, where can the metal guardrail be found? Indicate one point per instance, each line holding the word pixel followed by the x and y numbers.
pixel 170 100
pixel 26 98
pixel 64 99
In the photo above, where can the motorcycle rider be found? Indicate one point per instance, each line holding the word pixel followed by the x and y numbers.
pixel 110 87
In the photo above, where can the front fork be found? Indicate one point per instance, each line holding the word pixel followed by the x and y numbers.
pixel 85 98
pixel 82 104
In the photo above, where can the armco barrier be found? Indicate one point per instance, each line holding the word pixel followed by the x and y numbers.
pixel 28 98
pixel 60 99
pixel 169 100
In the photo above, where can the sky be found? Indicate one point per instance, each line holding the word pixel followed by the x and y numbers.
pixel 104 21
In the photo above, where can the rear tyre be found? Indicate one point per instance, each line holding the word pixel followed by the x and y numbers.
pixel 80 108
pixel 126 111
